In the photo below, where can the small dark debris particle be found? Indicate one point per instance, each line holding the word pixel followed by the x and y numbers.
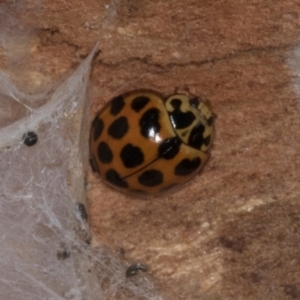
pixel 62 254
pixel 30 138
pixel 82 211
pixel 135 268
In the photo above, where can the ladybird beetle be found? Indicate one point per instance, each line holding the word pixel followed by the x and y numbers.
pixel 142 142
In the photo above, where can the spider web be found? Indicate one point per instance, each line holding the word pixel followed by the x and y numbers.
pixel 45 251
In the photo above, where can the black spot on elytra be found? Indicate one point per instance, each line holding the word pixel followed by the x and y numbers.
pixel 118 128
pixel 151 178
pixel 180 119
pixel 149 123
pixel 105 154
pixel 113 177
pixel 194 102
pixel 98 126
pixel 196 139
pixel 169 148
pixel 186 166
pixel 131 156
pixel 139 103
pixel 117 105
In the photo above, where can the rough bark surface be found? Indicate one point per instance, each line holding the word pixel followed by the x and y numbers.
pixel 233 232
